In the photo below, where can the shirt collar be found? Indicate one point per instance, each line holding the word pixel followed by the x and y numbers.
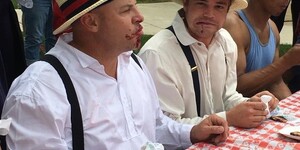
pixel 181 32
pixel 85 60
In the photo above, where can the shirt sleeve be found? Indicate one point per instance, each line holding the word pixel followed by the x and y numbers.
pixel 231 96
pixel 172 134
pixel 33 118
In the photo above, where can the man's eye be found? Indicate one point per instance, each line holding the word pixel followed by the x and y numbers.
pixel 126 10
pixel 200 3
pixel 220 7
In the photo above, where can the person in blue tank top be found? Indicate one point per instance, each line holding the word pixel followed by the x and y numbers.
pixel 259 66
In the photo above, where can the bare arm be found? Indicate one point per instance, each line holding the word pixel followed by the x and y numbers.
pixel 278 88
pixel 265 78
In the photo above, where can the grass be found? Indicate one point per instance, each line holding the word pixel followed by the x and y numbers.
pixel 15 3
pixel 145 38
pixel 283 48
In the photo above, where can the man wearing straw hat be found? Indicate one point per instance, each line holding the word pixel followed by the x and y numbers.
pixel 259 66
pixel 193 65
pixel 116 96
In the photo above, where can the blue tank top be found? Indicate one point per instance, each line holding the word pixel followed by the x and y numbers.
pixel 259 55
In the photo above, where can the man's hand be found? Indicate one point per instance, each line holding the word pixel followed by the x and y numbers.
pixel 212 129
pixel 247 114
pixel 251 113
pixel 272 103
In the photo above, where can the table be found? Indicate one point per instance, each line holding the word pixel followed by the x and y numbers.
pixel 265 136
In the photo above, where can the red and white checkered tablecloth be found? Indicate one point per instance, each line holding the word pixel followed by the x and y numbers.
pixel 266 136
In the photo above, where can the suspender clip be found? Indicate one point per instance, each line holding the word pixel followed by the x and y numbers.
pixel 194 69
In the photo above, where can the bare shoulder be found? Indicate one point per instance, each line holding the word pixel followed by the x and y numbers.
pixel 275 30
pixel 234 23
pixel 237 29
pixel 232 18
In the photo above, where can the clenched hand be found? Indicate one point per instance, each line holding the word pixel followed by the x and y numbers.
pixel 212 129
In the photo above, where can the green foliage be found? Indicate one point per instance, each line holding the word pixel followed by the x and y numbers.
pixel 15 3
pixel 283 48
pixel 145 38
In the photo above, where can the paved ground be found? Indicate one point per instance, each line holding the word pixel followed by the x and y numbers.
pixel 160 15
pixel 286 34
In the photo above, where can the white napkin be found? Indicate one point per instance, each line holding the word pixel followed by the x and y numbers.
pixel 266 99
pixel 153 146
pixel 4 126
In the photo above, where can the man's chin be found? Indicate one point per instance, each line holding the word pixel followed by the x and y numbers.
pixel 138 43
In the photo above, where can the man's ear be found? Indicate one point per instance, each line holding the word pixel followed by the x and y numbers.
pixel 90 22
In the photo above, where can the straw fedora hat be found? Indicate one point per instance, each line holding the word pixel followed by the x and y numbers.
pixel 68 11
pixel 236 4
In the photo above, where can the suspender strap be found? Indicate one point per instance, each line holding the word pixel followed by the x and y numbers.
pixel 189 56
pixel 76 118
pixel 136 60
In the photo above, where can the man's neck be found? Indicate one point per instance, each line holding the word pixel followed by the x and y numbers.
pixel 109 61
pixel 257 17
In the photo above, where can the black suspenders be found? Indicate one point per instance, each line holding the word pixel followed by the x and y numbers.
pixel 76 118
pixel 189 56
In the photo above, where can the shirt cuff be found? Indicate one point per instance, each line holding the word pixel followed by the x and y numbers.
pixel 186 135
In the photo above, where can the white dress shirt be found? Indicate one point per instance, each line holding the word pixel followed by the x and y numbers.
pixel 171 72
pixel 117 114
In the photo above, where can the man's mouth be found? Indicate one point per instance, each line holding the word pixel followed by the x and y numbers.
pixel 138 33
pixel 205 23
